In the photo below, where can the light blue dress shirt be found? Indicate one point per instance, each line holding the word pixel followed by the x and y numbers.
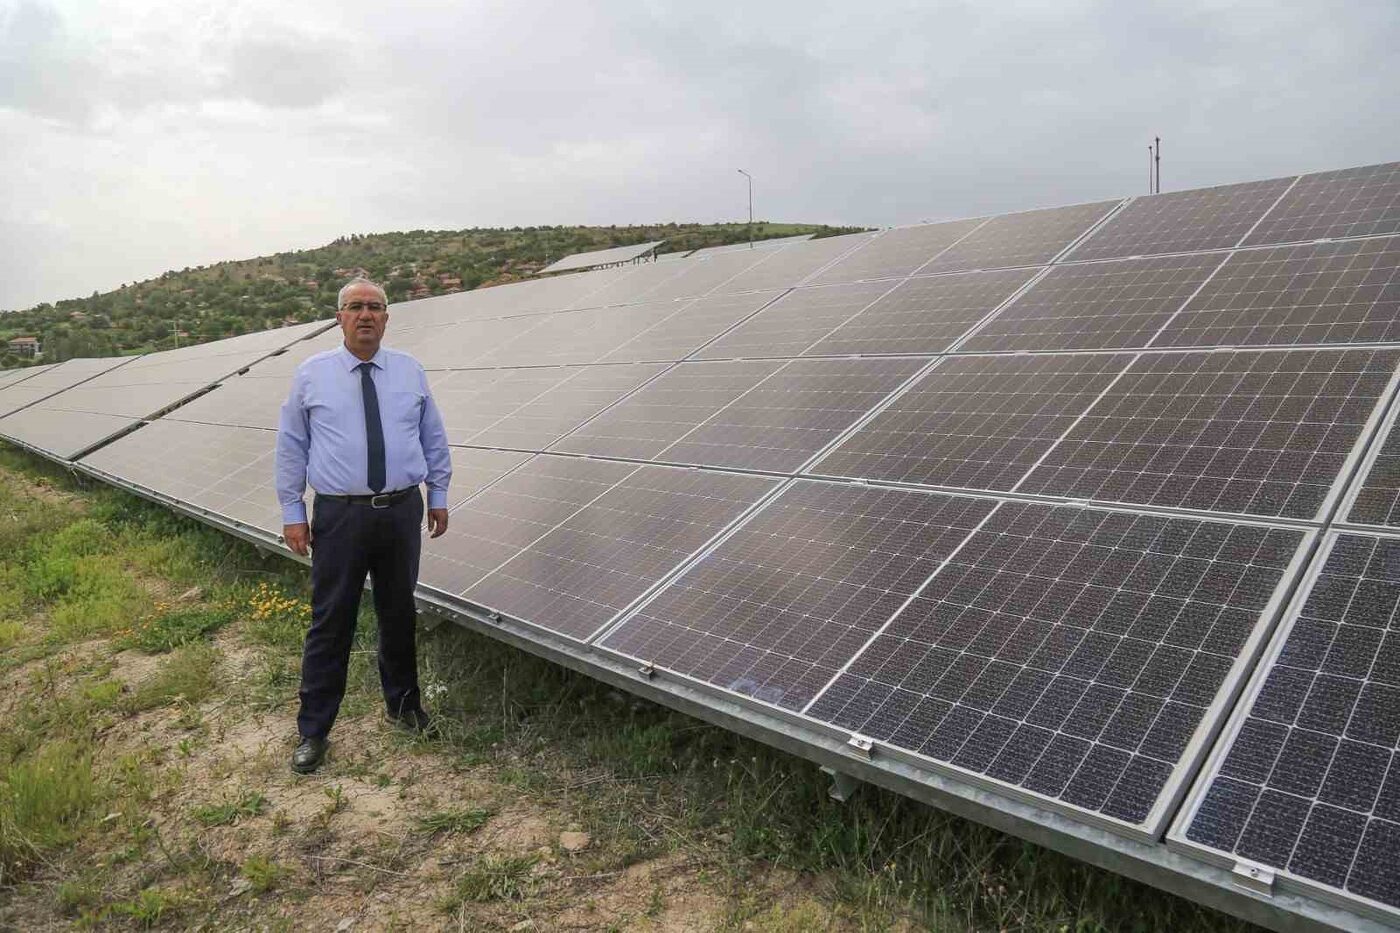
pixel 321 434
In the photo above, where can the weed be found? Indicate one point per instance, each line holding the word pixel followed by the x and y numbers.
pixel 337 801
pixel 10 633
pixel 262 873
pixel 148 908
pixel 188 674
pixel 169 628
pixel 493 878
pixel 250 803
pixel 43 801
pixel 455 821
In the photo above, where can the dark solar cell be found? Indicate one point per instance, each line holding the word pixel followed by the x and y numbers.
pixel 901 251
pixel 248 401
pixel 1183 221
pixel 1033 595
pixel 1319 293
pixel 530 408
pixel 975 422
pixel 511 515
pixel 1023 239
pixel 1378 500
pixel 776 610
pixel 1351 202
pixel 1096 306
pixel 922 315
pixel 795 322
pixel 592 566
pixel 750 415
pixel 1312 794
pixel 1264 433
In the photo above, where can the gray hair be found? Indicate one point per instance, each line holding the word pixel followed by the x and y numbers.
pixel 358 280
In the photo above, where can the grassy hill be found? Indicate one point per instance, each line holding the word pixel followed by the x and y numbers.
pixel 229 298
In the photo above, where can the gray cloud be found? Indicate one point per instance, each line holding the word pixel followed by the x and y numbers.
pixel 206 131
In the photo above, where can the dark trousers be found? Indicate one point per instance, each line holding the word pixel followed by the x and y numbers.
pixel 349 541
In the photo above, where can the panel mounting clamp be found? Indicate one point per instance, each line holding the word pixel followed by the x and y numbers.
pixel 1258 879
pixel 647 670
pixel 861 745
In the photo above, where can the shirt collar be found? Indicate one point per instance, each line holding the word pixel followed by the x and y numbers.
pixel 350 361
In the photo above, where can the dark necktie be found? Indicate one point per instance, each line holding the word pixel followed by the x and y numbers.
pixel 374 428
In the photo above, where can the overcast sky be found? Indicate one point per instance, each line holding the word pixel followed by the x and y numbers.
pixel 137 137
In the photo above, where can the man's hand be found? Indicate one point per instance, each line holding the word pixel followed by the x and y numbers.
pixel 298 538
pixel 437 522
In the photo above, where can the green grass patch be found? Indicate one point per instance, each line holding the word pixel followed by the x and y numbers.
pixel 11 633
pixel 170 628
pixel 248 804
pixel 493 878
pixel 43 802
pixel 466 820
pixel 188 675
pixel 262 873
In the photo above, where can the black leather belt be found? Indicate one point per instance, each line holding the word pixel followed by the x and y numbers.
pixel 378 501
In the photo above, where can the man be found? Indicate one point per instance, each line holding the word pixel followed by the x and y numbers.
pixel 361 426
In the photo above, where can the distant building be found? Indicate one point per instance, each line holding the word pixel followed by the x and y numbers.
pixel 77 316
pixel 25 346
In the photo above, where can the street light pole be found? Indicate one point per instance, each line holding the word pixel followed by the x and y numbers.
pixel 750 178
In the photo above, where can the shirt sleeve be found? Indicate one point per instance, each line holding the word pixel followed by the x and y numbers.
pixel 436 454
pixel 293 452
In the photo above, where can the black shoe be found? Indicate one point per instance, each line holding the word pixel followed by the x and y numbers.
pixel 309 755
pixel 413 720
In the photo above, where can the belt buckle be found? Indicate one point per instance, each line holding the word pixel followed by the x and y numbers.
pixel 380 500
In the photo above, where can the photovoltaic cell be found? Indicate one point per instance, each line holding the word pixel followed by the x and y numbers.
pixel 575 337
pixel 689 328
pixel 1320 293
pixel 776 610
pixel 1070 653
pixel 1304 782
pixel 1024 239
pixel 1257 432
pixel 897 252
pixel 508 517
pixel 922 315
pixel 600 257
pixel 1378 500
pixel 976 422
pixel 61 434
pixel 531 408
pixel 44 381
pixel 1113 305
pixel 793 265
pixel 1351 202
pixel 1183 221
pixel 795 322
pixel 242 401
pixel 707 275
pixel 582 573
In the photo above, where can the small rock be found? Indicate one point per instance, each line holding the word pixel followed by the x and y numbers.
pixel 239 886
pixel 574 842
pixel 344 925
pixel 524 925
pixel 193 593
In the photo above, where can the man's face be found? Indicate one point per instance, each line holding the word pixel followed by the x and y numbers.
pixel 362 317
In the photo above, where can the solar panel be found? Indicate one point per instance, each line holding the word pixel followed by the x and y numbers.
pixel 61 435
pixel 1351 202
pixel 529 409
pixel 1025 239
pixel 771 243
pixel 794 265
pixel 241 401
pixel 975 422
pixel 1376 497
pixel 795 322
pixel 1315 294
pixel 575 337
pixel 923 315
pixel 1183 221
pixel 694 325
pixel 769 416
pixel 897 252
pixel 468 343
pixel 11 376
pixel 636 284
pixel 777 609
pixel 1074 655
pixel 1120 304
pixel 44 381
pixel 1256 432
pixel 1302 781
pixel 600 257
pixel 509 516
pixel 707 275
pixel 599 560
